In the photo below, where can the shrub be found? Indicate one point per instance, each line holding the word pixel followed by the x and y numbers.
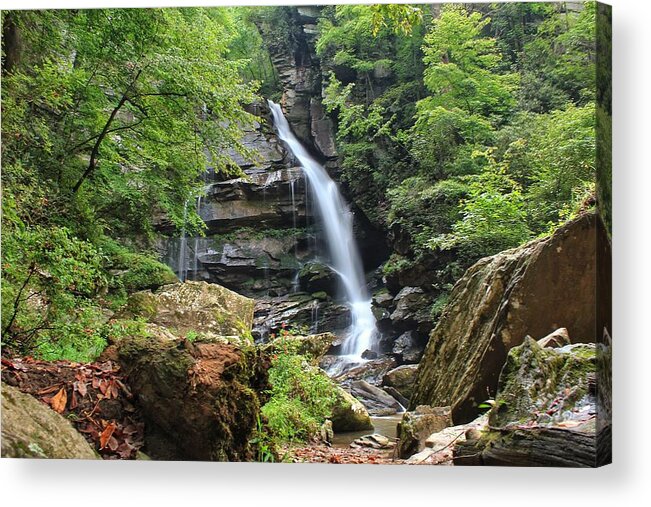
pixel 301 396
pixel 50 281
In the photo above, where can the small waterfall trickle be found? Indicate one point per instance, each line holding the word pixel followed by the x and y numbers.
pixel 314 317
pixel 338 228
pixel 293 196
pixel 182 264
pixel 195 250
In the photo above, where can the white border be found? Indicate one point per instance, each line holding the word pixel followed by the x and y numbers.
pixel 32 482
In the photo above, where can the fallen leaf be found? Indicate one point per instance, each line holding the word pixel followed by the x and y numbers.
pixel 569 424
pixel 81 387
pixel 113 443
pixel 58 402
pixel 48 390
pixel 106 435
pixel 73 401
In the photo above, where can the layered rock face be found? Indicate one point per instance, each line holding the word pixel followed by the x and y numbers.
pixel 532 290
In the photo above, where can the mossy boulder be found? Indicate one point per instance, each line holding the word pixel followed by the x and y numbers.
pixel 544 386
pixel 545 412
pixel 193 307
pixel 349 414
pixel 313 346
pixel 200 401
pixel 31 429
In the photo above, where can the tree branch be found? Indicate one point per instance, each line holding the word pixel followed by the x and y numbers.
pixel 18 300
pixel 92 164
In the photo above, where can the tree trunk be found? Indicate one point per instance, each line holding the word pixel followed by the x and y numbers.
pixel 11 43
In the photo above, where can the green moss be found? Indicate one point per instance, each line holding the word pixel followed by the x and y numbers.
pixel 142 304
pixel 538 382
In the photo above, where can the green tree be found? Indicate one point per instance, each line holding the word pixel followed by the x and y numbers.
pixel 461 66
pixel 135 99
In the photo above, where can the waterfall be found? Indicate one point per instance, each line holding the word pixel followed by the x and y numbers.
pixel 338 227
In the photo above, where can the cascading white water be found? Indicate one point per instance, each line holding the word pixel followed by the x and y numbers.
pixel 338 226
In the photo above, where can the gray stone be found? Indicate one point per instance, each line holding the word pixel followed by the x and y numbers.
pixel 377 401
pixel 374 441
pixel 322 130
pixel 401 378
pixel 31 429
pixel 408 348
pixel 417 425
pixel 371 371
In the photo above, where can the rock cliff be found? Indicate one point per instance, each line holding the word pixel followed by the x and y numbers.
pixel 531 290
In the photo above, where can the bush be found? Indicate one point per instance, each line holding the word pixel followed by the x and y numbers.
pixel 134 271
pixel 301 396
pixel 493 219
pixel 50 280
pixel 423 210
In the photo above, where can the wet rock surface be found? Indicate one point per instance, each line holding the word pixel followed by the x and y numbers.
pixel 299 311
pixel 546 411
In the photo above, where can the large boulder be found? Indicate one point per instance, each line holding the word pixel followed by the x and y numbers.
pixel 349 414
pixel 416 426
pixel 408 348
pixel 31 429
pixel 412 310
pixel 200 401
pixel 402 379
pixel 531 290
pixel 197 307
pixel 546 411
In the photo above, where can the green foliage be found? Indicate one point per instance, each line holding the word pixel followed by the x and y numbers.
pixel 461 66
pixel 49 282
pixel 422 210
pixel 117 97
pixel 558 63
pixel 553 156
pixel 493 217
pixel 301 396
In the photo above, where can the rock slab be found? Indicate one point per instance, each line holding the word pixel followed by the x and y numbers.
pixel 31 429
